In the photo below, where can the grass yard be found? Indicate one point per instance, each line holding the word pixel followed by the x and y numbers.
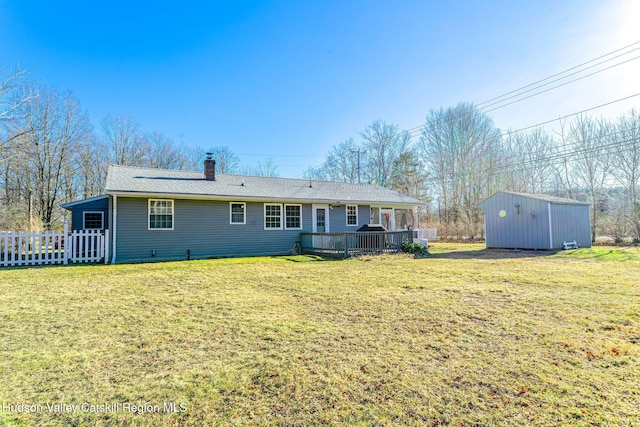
pixel 464 337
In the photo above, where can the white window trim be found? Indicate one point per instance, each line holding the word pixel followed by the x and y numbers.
pixel 173 217
pixel 346 216
pixel 265 216
pixel 84 221
pixel 284 212
pixel 244 213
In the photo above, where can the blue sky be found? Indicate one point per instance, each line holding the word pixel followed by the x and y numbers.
pixel 291 79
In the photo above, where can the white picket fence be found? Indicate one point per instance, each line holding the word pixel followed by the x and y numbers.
pixel 53 247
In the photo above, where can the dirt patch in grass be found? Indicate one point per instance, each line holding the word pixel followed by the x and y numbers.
pixel 446 340
pixel 484 253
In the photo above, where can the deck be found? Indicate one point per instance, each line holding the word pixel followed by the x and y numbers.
pixel 346 245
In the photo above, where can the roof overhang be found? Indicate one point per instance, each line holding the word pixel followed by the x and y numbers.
pixel 554 201
pixel 259 199
pixel 80 202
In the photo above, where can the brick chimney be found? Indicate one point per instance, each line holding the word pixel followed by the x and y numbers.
pixel 210 168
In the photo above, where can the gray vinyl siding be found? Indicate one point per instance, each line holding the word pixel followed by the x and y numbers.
pixel 201 227
pixel 77 213
pixel 338 219
pixel 364 215
pixel 566 227
pixel 529 229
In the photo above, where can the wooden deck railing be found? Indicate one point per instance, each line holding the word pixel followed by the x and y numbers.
pixel 345 245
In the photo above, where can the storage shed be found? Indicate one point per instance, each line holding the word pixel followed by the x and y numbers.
pixel 534 221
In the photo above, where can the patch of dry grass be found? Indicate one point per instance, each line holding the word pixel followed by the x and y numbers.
pixel 464 337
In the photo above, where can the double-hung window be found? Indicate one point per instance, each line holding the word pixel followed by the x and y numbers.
pixel 293 217
pixel 160 214
pixel 272 216
pixel 352 215
pixel 237 213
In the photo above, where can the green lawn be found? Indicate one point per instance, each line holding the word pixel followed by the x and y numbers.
pixel 464 337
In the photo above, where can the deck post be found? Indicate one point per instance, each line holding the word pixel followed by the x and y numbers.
pixel 346 246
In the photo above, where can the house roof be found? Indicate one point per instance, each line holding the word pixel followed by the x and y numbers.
pixel 125 180
pixel 80 202
pixel 543 197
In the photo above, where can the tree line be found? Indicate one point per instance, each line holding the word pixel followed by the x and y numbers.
pixel 460 157
pixel 51 154
pixel 589 159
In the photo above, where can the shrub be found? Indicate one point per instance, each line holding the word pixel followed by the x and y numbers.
pixel 410 247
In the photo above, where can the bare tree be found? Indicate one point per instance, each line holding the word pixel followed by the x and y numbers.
pixel 15 187
pixel 462 149
pixel 566 181
pixel 383 143
pixel 267 169
pixel 123 136
pixel 614 221
pixel 316 173
pixel 190 158
pixel 527 168
pixel 54 131
pixel 159 151
pixel 128 145
pixel 226 160
pixel 343 163
pixel 14 93
pixel 626 163
pixel 591 165
pixel 93 160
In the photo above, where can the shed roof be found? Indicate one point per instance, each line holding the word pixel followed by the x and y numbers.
pixel 148 181
pixel 83 201
pixel 543 197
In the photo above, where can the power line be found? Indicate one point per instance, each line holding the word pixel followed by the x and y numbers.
pixel 553 120
pixel 575 149
pixel 564 156
pixel 581 142
pixel 280 155
pixel 415 131
pixel 622 146
pixel 504 134
pixel 560 85
pixel 572 114
pixel 565 71
pixel 412 131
